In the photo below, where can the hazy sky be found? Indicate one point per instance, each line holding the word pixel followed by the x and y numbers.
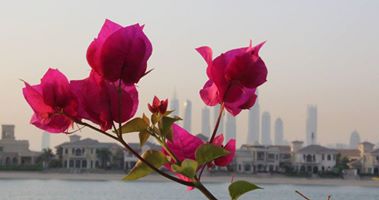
pixel 317 52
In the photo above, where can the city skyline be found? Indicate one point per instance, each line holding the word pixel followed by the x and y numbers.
pixel 313 59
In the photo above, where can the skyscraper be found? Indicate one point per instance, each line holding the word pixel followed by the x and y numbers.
pixel 215 116
pixel 311 125
pixel 45 144
pixel 279 135
pixel 355 139
pixel 205 122
pixel 266 128
pixel 253 124
pixel 187 115
pixel 174 105
pixel 231 128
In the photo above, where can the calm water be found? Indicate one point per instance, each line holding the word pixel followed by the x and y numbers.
pixel 114 190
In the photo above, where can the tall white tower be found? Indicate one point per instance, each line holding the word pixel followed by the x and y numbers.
pixel 215 116
pixel 279 133
pixel 266 128
pixel 205 122
pixel 231 128
pixel 355 139
pixel 187 115
pixel 45 144
pixel 311 125
pixel 253 124
pixel 174 105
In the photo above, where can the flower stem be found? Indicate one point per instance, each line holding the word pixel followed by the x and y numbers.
pixel 122 141
pixel 205 191
pixel 217 123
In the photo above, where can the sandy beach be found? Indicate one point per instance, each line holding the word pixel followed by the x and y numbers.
pixel 209 179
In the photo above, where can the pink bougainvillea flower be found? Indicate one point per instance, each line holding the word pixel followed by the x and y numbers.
pixel 120 52
pixel 233 77
pixel 158 105
pixel 184 146
pixel 52 101
pixel 230 146
pixel 99 100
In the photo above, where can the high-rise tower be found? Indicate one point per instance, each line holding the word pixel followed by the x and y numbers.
pixel 187 115
pixel 355 139
pixel 266 128
pixel 174 105
pixel 253 124
pixel 231 128
pixel 311 125
pixel 45 144
pixel 279 135
pixel 205 122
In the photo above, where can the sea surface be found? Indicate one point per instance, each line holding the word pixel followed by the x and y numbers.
pixel 118 190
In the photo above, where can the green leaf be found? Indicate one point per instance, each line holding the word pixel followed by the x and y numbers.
pixel 187 168
pixel 140 170
pixel 167 123
pixel 209 152
pixel 146 119
pixel 155 118
pixel 143 137
pixel 168 112
pixel 238 188
pixel 135 125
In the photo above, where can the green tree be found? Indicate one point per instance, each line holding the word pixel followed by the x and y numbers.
pixel 104 155
pixel 46 157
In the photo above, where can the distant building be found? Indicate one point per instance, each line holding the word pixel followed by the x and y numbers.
pixel 187 121
pixel 279 135
pixel 86 153
pixel 355 139
pixel 369 162
pixel 130 160
pixel 313 158
pixel 15 152
pixel 231 127
pixel 174 105
pixel 260 158
pixel 266 128
pixel 215 116
pixel 45 144
pixel 311 125
pixel 253 129
pixel 205 122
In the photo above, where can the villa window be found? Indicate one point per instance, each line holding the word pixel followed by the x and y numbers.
pixel 84 163
pixel 377 157
pixel 71 163
pixel 329 157
pixel 65 151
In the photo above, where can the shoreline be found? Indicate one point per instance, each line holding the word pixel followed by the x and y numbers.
pixel 281 180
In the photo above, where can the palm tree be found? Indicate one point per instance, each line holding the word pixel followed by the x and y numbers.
pixel 46 157
pixel 104 155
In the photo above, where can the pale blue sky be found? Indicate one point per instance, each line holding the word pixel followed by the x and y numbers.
pixel 317 52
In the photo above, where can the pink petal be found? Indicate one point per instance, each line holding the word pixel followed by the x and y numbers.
pixel 225 160
pixel 209 94
pixel 35 99
pixel 129 101
pixel 184 144
pixel 206 53
pixel 124 55
pixel 55 88
pixel 55 124
pixel 218 140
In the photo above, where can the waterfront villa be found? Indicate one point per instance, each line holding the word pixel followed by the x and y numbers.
pixel 88 154
pixel 313 158
pixel 15 152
